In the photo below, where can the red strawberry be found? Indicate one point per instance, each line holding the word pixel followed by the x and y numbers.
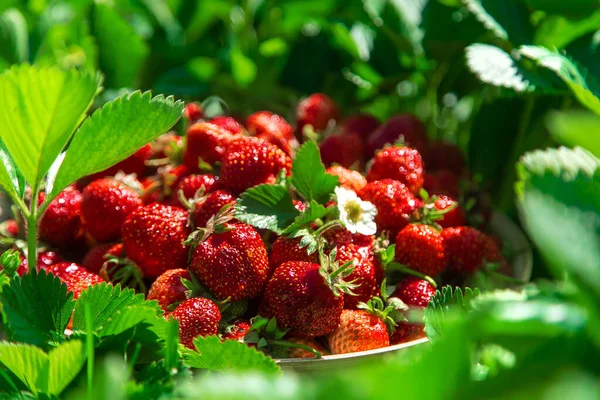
pixel 407 332
pixel 74 276
pixel 197 317
pixel 454 217
pixel 250 162
pixel 206 142
pixel 414 292
pixel 403 164
pixel 349 179
pixel 134 164
pixel 405 127
pixel 191 184
pixel 442 182
pixel 298 205
pixel 96 256
pixel 274 129
pixel 153 238
pixel 106 204
pixel 210 206
pixel 232 264
pixel 288 249
pixel 10 228
pixel 45 259
pixel 193 112
pixel 363 124
pixel 168 289
pixel 237 330
pixel 394 202
pixel 465 248
pixel 60 226
pixel 301 300
pixel 358 331
pixel 228 123
pixel 447 156
pixel 316 110
pixel 420 247
pixel 296 352
pixel 347 150
pixel 363 274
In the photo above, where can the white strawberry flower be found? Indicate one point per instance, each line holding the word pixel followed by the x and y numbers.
pixel 357 215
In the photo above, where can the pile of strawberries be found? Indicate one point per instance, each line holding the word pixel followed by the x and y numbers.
pixel 163 221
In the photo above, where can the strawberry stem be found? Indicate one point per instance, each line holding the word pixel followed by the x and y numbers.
pixel 404 269
pixel 285 343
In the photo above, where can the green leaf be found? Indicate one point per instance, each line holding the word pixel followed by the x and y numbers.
pixel 115 132
pixel 556 31
pixel 243 69
pixel 14 37
pixel 266 207
pixel 48 373
pixel 227 356
pixel 570 8
pixel 313 211
pixel 37 307
pixel 104 300
pixel 445 300
pixel 121 51
pixel 126 318
pixel 342 38
pixel 507 19
pixel 309 176
pixel 575 128
pixel 40 109
pixel 11 179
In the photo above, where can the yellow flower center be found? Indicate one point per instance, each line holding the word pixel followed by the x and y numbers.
pixel 353 210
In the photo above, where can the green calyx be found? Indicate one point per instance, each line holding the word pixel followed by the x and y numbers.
pixel 218 223
pixel 124 271
pixel 428 214
pixel 335 275
pixel 386 258
pixel 10 262
pixel 389 309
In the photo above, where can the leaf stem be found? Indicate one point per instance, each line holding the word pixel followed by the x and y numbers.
pixel 89 342
pixel 327 226
pixel 401 268
pixel 32 221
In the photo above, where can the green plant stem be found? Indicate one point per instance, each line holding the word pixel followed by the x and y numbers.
pixel 89 343
pixel 32 240
pixel 295 345
pixel 401 268
pixel 328 225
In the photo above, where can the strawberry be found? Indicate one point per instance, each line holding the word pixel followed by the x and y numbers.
pixel 403 164
pixel 363 274
pixel 10 228
pixel 168 289
pixel 302 300
pixel 297 352
pixel 228 123
pixel 405 127
pixel 274 129
pixel 465 248
pixel 60 226
pixel 394 202
pixel 232 261
pixel 97 256
pixel 349 179
pixel 153 238
pixel 193 112
pixel 298 205
pixel 454 217
pixel 421 248
pixel 134 164
pixel 237 330
pixel 191 184
pixel 345 149
pixel 315 110
pixel 414 292
pixel 74 276
pixel 288 249
pixel 443 155
pixel 250 162
pixel 358 331
pixel 197 317
pixel 45 259
pixel 210 206
pixel 362 124
pixel 106 204
pixel 206 142
pixel 442 182
pixel 407 332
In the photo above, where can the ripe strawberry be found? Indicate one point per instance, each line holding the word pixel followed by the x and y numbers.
pixel 74 276
pixel 363 274
pixel 443 155
pixel 338 236
pixel 403 164
pixel 442 182
pixel 206 142
pixel 406 127
pixel 315 110
pixel 296 352
pixel 347 150
pixel 274 129
pixel 407 332
pixel 288 249
pixel 454 217
pixel 197 317
pixel 10 228
pixel 106 204
pixel 358 331
pixel 45 259
pixel 298 205
pixel 349 179
pixel 301 300
pixel 228 123
pixel 204 210
pixel 60 226
pixel 134 164
pixel 237 330
pixel 96 256
pixel 153 238
pixel 168 289
pixel 414 292
pixel 250 162
pixel 420 247
pixel 193 112
pixel 394 202
pixel 191 184
pixel 232 263
pixel 465 248
pixel 363 124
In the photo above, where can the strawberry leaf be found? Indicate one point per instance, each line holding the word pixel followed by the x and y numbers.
pixel 309 176
pixel 576 128
pixel 227 356
pixel 11 179
pixel 14 37
pixel 313 212
pixel 508 19
pixel 445 299
pixel 37 307
pixel 131 316
pixel 266 207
